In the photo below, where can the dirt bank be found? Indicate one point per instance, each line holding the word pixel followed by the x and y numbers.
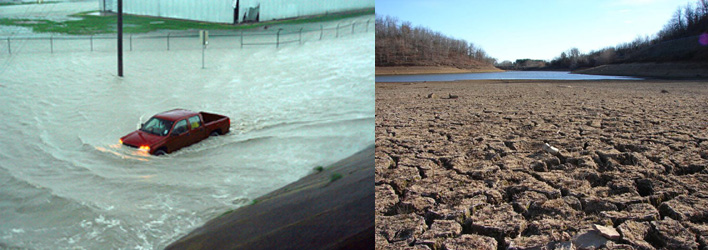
pixel 465 165
pixel 659 70
pixel 418 70
pixel 319 211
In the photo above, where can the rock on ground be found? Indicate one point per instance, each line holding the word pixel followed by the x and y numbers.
pixel 470 241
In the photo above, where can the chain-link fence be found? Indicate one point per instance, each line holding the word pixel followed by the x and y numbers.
pixel 185 40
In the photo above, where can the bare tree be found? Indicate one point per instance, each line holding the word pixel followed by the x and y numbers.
pixel 403 44
pixel 687 21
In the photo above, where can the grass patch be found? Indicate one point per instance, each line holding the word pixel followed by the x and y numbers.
pixel 92 24
pixel 227 212
pixel 323 18
pixel 318 169
pixel 253 202
pixel 25 3
pixel 334 177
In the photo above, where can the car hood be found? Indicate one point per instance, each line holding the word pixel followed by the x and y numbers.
pixel 139 138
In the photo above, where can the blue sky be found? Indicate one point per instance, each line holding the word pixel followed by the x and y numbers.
pixel 536 29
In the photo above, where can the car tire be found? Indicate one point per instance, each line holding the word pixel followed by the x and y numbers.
pixel 160 152
pixel 214 133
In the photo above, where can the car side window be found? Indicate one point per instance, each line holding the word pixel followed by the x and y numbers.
pixel 195 122
pixel 180 127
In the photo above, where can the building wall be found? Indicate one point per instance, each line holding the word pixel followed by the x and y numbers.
pixel 106 5
pixel 222 11
pixel 283 9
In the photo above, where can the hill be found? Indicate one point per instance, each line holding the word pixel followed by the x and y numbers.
pixel 401 45
pixel 680 49
pixel 658 70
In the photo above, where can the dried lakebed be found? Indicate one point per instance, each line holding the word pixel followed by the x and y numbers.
pixel 463 165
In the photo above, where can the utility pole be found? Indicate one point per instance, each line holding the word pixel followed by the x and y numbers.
pixel 120 38
pixel 204 40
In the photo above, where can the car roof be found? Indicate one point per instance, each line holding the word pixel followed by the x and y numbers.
pixel 175 114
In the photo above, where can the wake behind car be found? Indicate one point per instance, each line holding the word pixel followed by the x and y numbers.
pixel 171 130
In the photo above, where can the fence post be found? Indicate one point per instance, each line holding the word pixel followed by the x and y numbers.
pixel 131 42
pixel 168 41
pixel 51 44
pixel 300 38
pixel 367 25
pixel 277 42
pixel 9 50
pixel 337 30
pixel 91 39
pixel 321 30
pixel 353 25
pixel 242 39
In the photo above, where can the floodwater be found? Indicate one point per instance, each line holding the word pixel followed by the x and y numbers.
pixel 65 182
pixel 507 75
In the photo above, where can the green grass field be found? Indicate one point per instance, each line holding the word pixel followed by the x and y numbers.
pixel 92 24
pixel 24 3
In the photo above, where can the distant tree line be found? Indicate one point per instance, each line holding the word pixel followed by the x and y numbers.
pixel 400 44
pixel 522 64
pixel 677 41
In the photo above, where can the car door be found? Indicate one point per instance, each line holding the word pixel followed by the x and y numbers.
pixel 180 136
pixel 197 131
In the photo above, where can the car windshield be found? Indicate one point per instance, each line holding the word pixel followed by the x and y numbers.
pixel 157 126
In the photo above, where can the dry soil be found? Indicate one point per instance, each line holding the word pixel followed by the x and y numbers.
pixel 465 165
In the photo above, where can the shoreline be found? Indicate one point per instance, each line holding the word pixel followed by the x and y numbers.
pixel 329 209
pixel 673 70
pixel 423 70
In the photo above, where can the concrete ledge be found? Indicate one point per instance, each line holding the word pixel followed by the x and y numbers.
pixel 319 211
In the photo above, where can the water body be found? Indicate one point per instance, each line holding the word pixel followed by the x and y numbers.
pixel 66 183
pixel 507 75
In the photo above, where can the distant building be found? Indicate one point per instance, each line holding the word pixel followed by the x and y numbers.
pixel 234 11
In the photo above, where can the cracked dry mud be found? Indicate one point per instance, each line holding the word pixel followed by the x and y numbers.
pixel 471 172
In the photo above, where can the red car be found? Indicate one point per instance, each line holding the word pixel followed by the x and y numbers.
pixel 169 131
